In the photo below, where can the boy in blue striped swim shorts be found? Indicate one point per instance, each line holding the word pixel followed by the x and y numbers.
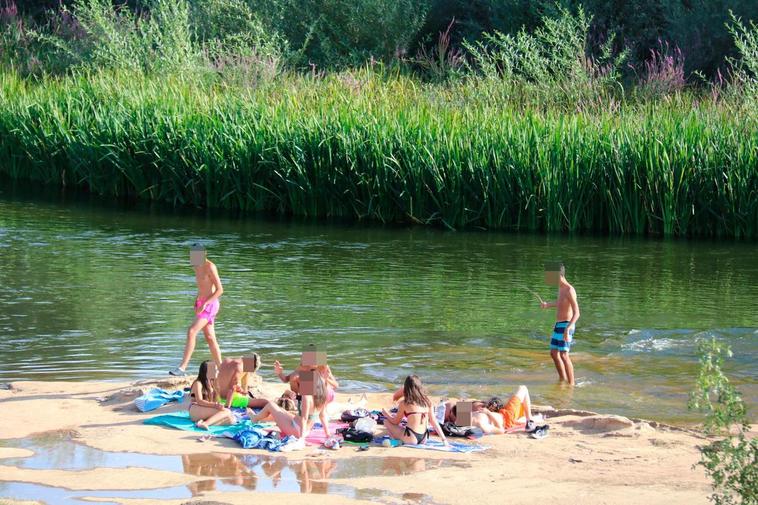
pixel 566 315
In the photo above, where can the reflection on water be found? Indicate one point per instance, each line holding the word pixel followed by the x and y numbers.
pixel 99 292
pixel 219 471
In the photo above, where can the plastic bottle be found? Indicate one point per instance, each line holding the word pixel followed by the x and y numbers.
pixel 439 412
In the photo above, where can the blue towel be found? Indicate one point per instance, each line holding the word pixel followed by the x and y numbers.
pixel 436 445
pixel 182 421
pixel 157 397
pixel 256 438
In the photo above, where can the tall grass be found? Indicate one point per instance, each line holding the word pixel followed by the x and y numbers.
pixel 386 148
pixel 533 135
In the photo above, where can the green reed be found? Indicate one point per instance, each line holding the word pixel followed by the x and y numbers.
pixel 387 148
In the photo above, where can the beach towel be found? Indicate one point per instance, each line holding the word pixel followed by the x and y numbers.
pixel 317 436
pixel 157 397
pixel 182 421
pixel 436 445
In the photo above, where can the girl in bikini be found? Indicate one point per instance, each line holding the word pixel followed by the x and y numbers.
pixel 293 379
pixel 312 409
pixel 204 410
pixel 416 409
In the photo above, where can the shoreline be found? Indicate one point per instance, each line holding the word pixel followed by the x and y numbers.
pixel 600 458
pixel 146 383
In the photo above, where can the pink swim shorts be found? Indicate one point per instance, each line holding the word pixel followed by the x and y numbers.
pixel 210 311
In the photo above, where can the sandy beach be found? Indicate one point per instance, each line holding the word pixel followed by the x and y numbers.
pixel 596 459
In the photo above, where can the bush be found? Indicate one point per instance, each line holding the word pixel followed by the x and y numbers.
pixel 104 37
pixel 340 33
pixel 732 461
pixel 551 65
pixel 746 67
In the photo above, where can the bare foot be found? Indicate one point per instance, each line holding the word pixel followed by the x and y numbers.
pixel 201 425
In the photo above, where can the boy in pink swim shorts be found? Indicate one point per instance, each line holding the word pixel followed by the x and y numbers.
pixel 209 290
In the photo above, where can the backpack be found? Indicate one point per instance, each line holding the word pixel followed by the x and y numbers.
pixel 355 436
pixel 453 430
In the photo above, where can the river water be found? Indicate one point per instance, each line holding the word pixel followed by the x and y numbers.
pixel 98 290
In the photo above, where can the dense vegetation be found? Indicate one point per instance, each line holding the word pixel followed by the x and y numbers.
pixel 336 108
pixel 731 460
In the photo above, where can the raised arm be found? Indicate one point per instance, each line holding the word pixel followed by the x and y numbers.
pixel 394 418
pixel 279 371
pixel 547 305
pixel 330 380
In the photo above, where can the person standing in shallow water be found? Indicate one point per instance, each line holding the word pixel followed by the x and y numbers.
pixel 566 315
pixel 209 290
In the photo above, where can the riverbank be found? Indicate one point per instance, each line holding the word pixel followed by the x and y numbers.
pixel 366 146
pixel 595 458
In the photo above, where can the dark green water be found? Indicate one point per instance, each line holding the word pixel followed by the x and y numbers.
pixel 97 291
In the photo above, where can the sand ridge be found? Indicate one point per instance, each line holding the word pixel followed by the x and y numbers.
pixel 589 457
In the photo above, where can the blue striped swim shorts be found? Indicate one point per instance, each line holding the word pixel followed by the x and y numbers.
pixel 557 341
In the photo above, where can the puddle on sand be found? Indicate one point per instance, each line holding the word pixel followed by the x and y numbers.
pixel 224 472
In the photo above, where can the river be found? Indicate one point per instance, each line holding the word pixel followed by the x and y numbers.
pixel 95 290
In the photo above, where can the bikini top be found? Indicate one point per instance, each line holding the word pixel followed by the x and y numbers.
pixel 423 415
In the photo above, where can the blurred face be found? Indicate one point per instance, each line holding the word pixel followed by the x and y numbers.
pixel 553 272
pixel 313 359
pixel 552 277
pixel 197 257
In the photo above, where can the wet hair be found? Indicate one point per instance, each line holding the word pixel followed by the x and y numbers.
pixel 556 266
pixel 413 392
pixel 205 382
pixel 494 404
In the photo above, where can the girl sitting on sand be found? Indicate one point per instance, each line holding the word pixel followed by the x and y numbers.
pixel 313 390
pixel 204 410
pixel 416 408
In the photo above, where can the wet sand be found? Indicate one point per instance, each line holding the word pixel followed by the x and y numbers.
pixel 594 458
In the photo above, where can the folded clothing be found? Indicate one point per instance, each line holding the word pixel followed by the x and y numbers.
pixel 351 415
pixel 157 397
pixel 255 437
pixel 239 400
